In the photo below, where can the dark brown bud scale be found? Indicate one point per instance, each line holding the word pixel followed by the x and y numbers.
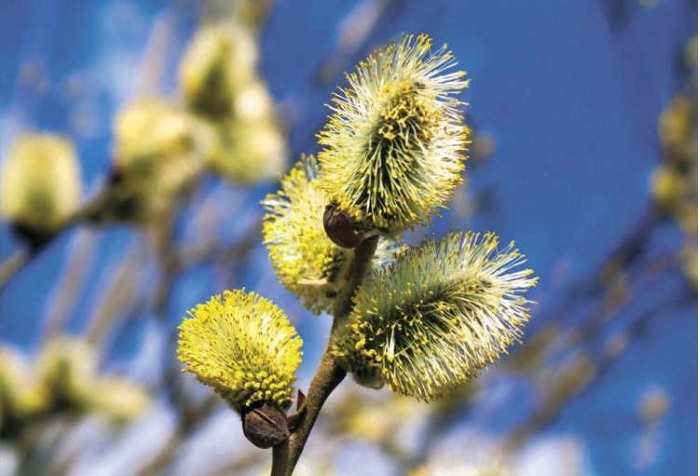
pixel 265 426
pixel 340 228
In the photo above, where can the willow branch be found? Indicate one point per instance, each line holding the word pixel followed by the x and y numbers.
pixel 358 269
pixel 13 265
pixel 327 378
pixel 70 285
pixel 329 374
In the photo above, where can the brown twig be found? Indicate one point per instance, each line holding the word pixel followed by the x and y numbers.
pixel 329 374
pixel 119 295
pixel 70 284
pixel 13 265
pixel 577 377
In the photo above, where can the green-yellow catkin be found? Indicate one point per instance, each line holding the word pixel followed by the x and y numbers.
pixel 64 379
pixel 40 186
pixel 445 466
pixel 394 146
pixel 444 311
pixel 66 367
pixel 118 398
pixel 674 185
pixel 159 144
pixel 254 102
pixel 21 396
pixel 248 152
pixel 67 375
pixel 219 62
pixel 250 147
pixel 220 84
pixel 244 347
pixel 158 152
pixel 306 261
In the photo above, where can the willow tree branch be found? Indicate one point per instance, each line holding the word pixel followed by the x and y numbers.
pixel 71 282
pixel 13 265
pixel 327 378
pixel 358 269
pixel 329 374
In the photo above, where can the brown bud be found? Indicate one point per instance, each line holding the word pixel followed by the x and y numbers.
pixel 296 417
pixel 340 228
pixel 265 426
pixel 369 378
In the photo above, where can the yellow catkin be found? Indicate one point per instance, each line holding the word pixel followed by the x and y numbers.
pixel 67 368
pixel 40 183
pixel 445 310
pixel 219 62
pixel 158 145
pixel 244 347
pixel 158 153
pixel 21 395
pixel 248 150
pixel 394 145
pixel 306 261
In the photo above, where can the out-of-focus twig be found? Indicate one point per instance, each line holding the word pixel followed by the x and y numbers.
pixel 577 376
pixel 67 290
pixel 119 296
pixel 353 32
pixel 13 265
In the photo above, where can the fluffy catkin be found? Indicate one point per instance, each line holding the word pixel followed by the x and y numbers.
pixel 306 261
pixel 394 145
pixel 243 346
pixel 445 310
